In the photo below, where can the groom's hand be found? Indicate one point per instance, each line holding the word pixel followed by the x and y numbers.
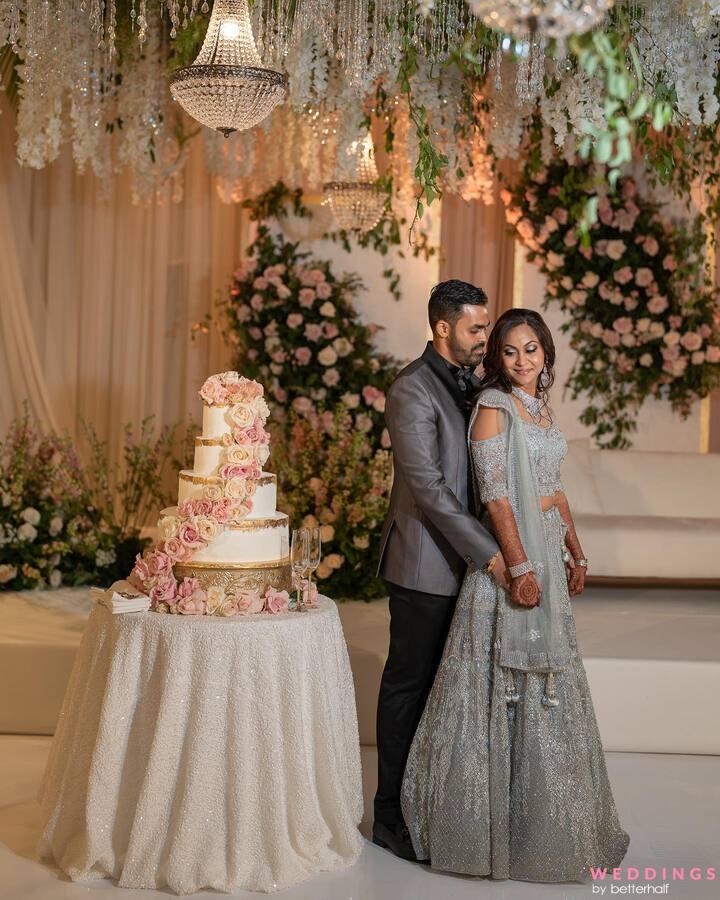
pixel 500 573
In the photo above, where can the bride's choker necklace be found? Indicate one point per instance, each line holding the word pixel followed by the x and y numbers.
pixel 532 404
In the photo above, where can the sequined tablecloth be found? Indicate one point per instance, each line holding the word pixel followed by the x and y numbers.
pixel 205 752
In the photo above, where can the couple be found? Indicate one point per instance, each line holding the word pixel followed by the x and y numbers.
pixel 489 757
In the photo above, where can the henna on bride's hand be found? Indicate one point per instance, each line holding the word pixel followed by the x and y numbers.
pixel 525 591
pixel 576 581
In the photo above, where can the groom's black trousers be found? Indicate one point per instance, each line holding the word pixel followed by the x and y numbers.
pixel 419 625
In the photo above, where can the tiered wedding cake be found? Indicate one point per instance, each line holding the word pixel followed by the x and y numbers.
pixel 226 519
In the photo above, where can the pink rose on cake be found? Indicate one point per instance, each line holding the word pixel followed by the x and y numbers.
pixel 187 587
pixel 159 563
pixel 165 590
pixel 176 550
pixel 194 605
pixel 213 392
pixel 276 601
pixel 140 574
pixel 249 603
pixel 241 510
pixel 202 507
pixel 215 599
pixel 189 535
pixel 221 510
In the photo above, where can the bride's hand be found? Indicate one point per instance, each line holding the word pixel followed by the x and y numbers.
pixel 525 590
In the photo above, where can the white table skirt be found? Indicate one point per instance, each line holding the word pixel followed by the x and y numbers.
pixel 205 752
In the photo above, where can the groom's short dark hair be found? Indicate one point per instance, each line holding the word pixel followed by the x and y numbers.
pixel 448 298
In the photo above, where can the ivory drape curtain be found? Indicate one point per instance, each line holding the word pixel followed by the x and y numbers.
pixel 97 295
pixel 478 246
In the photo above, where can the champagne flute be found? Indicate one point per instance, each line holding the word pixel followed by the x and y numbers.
pixel 315 554
pixel 299 561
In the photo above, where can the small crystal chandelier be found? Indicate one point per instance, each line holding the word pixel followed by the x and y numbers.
pixel 357 205
pixel 227 88
pixel 552 18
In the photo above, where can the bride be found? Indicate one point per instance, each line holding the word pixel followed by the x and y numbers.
pixel 506 775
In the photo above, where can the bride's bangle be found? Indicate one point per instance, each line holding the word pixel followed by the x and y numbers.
pixel 581 562
pixel 490 564
pixel 520 569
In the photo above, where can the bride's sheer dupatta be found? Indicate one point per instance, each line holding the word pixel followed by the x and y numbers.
pixel 529 640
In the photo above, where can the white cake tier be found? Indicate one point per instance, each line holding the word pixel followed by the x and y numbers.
pixel 191 487
pixel 214 423
pixel 252 540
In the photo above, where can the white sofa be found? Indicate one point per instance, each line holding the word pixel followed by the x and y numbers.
pixel 646 515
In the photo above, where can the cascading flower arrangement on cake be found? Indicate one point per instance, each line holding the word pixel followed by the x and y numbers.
pixel 223 550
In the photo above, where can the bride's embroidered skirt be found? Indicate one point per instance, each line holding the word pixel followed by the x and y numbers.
pixel 506 775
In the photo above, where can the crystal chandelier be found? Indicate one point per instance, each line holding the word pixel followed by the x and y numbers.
pixel 552 18
pixel 357 205
pixel 227 88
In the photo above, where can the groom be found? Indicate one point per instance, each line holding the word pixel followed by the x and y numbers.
pixel 431 532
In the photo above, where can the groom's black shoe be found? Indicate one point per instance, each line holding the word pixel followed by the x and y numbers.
pixel 396 839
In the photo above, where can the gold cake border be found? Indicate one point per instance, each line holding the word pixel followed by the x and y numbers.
pixel 258 524
pixel 269 564
pixel 265 478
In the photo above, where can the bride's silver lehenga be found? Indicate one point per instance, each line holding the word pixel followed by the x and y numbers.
pixel 506 775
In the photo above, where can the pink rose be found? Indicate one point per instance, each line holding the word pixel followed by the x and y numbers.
pixel 644 277
pixel 331 330
pixel 657 305
pixel 303 355
pixel 232 470
pixel 650 246
pixel 249 602
pixel 203 507
pixel 616 249
pixel 176 550
pixel 560 215
pixel 605 291
pixel 294 320
pixel 605 213
pixel 159 563
pixel 324 290
pixel 276 601
pixel 255 333
pixel 676 322
pixel 190 536
pixel 331 377
pixel 260 283
pixel 187 588
pixel 306 297
pixel 691 340
pixel 194 605
pixel 279 393
pixel 623 325
pixel 165 591
pixel 385 439
pixel 257 302
pixel 313 331
pixel 141 570
pixel 316 276
pixel 712 354
pixel 279 356
pixel 587 252
pixel 590 280
pixel 611 338
pixel 705 330
pixel 302 405
pixel 623 275
pixel 186 509
pixel 371 394
pixel 669 263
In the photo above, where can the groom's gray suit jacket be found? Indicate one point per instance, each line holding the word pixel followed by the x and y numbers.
pixel 430 534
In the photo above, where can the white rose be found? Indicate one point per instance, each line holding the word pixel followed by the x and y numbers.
pixel 241 454
pixel 628 340
pixel 31 515
pixel 7 573
pixel 310 522
pixel 598 365
pixel 212 492
pixel 208 528
pixel 334 561
pixel 698 357
pixel 361 541
pixel 642 324
pixel 55 578
pixel 230 377
pixel 262 452
pixel 323 570
pixel 657 329
pixel 327 309
pixel 327 356
pixel 56 524
pixel 352 401
pixel 261 408
pixel 242 414
pixel 6 499
pixel 168 527
pixel 342 346
pixel 26 532
pixel 646 359
pixel 235 488
pixel 327 533
pixel 215 598
pixel 597 330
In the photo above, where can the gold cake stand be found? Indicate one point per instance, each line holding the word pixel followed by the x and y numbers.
pixel 234 578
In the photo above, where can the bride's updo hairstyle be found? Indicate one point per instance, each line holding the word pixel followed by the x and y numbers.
pixel 494 372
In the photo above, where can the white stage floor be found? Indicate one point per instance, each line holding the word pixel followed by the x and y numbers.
pixel 670 806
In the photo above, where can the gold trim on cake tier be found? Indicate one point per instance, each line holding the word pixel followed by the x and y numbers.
pixel 236 577
pixel 258 524
pixel 265 478
pixel 208 442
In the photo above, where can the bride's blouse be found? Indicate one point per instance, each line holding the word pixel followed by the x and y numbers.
pixel 547 446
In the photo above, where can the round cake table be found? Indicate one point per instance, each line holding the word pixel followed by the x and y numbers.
pixel 202 752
